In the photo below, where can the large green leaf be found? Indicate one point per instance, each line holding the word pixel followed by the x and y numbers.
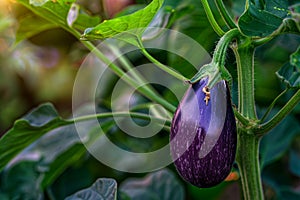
pixel 102 189
pixel 263 19
pixel 294 162
pixel 126 28
pixel 290 72
pixel 31 25
pixel 276 143
pixel 27 130
pixel 158 185
pixel 57 13
pixel 22 181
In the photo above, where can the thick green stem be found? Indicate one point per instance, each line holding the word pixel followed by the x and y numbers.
pixel 245 68
pixel 248 142
pixel 248 163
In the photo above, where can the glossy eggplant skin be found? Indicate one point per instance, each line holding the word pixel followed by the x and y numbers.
pixel 203 136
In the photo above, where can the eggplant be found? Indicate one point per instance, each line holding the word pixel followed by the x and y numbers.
pixel 203 136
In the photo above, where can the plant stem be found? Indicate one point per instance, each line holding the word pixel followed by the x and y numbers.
pixel 167 122
pixel 221 48
pixel 160 65
pixel 211 18
pixel 245 68
pixel 272 105
pixel 248 163
pixel 216 68
pixel 248 143
pixel 224 13
pixel 244 121
pixel 143 90
pixel 287 108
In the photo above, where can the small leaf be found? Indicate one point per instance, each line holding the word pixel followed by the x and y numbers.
pixel 73 14
pixel 158 185
pixel 262 20
pixel 28 129
pixel 295 58
pixel 102 189
pixel 290 72
pixel 129 26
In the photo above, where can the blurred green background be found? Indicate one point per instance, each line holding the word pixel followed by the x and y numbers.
pixel 43 67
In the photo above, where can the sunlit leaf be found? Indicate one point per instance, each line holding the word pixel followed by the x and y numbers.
pixel 158 185
pixel 57 13
pixel 27 130
pixel 127 27
pixel 102 189
pixel 38 2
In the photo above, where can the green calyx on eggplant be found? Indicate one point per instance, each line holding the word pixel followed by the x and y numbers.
pixel 203 134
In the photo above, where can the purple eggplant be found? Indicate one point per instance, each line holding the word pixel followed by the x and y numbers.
pixel 203 134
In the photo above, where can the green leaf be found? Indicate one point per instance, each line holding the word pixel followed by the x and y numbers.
pixel 262 20
pixel 290 72
pixel 31 25
pixel 27 130
pixel 57 13
pixel 22 181
pixel 102 189
pixel 62 162
pixel 294 162
pixel 276 143
pixel 127 28
pixel 158 185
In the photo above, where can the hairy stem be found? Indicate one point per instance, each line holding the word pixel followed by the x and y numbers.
pixel 248 163
pixel 248 143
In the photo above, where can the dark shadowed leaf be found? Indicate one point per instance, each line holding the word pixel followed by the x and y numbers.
pixel 262 19
pixel 276 143
pixel 127 27
pixel 22 181
pixel 28 129
pixel 102 189
pixel 294 162
pixel 31 25
pixel 290 72
pixel 156 186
